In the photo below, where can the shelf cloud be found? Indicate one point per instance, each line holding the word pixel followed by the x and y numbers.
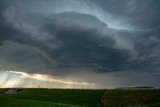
pixel 109 43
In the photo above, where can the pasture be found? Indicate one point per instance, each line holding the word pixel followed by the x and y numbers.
pixel 81 98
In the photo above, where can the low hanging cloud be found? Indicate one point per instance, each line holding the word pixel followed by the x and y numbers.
pixel 44 39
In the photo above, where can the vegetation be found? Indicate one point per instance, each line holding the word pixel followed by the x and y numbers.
pixel 81 98
pixel 146 97
pixel 12 102
pixel 75 97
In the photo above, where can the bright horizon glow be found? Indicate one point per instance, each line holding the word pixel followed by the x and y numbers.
pixel 44 81
pixel 48 78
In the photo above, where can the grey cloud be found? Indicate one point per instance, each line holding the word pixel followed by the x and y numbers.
pixel 77 44
pixel 142 14
pixel 14 56
pixel 59 42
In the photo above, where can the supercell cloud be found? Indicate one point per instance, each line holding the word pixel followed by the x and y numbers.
pixel 106 44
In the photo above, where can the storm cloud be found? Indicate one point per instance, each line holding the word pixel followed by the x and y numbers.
pixel 91 41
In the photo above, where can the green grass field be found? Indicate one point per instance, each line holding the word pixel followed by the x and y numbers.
pixel 81 98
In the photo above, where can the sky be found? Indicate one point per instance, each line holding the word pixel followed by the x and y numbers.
pixel 79 43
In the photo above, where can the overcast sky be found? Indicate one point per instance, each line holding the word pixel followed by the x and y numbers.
pixel 79 43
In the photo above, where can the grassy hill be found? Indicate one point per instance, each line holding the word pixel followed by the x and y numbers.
pixel 81 98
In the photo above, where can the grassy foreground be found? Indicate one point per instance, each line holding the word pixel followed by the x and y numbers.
pixel 81 98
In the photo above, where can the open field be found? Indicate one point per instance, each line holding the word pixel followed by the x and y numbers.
pixel 81 98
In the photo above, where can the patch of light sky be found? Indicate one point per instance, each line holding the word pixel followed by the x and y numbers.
pixel 15 78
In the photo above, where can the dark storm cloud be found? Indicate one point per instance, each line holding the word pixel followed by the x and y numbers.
pixel 142 14
pixel 78 45
pixel 84 46
pixel 103 36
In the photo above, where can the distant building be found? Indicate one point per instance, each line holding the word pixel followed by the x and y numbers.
pixel 14 91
